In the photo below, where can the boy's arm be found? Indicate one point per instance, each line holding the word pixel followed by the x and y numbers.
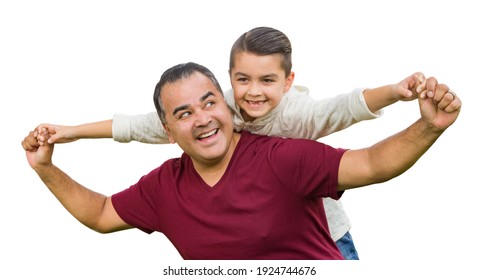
pixel 301 116
pixel 305 117
pixel 66 134
pixel 406 90
pixel 145 128
pixel 122 128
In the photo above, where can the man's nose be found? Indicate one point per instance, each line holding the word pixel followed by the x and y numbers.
pixel 203 118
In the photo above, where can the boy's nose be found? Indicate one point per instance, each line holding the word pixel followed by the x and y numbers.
pixel 254 90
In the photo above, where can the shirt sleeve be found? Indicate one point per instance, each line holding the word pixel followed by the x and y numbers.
pixel 311 167
pixel 359 108
pixel 318 118
pixel 136 205
pixel 142 128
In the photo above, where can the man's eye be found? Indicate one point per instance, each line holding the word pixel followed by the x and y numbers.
pixel 184 115
pixel 209 103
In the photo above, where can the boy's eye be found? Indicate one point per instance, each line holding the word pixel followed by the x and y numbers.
pixel 241 79
pixel 268 80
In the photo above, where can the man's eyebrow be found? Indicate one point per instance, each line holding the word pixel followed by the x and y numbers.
pixel 208 94
pixel 184 107
pixel 180 108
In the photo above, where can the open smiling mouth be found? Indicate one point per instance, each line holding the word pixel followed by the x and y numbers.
pixel 208 134
pixel 255 103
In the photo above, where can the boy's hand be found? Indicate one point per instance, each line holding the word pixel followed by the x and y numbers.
pixel 410 88
pixel 56 133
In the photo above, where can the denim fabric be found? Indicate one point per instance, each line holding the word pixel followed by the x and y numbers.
pixel 346 246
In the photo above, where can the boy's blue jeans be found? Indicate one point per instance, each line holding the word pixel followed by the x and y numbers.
pixel 346 246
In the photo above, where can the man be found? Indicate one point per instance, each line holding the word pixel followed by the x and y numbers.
pixel 265 101
pixel 238 195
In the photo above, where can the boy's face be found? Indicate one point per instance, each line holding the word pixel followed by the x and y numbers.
pixel 198 119
pixel 259 83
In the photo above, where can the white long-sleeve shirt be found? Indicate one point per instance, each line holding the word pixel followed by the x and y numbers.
pixel 297 116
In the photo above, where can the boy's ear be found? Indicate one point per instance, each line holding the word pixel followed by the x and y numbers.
pixel 170 138
pixel 289 81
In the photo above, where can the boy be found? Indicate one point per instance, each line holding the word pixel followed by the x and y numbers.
pixel 265 101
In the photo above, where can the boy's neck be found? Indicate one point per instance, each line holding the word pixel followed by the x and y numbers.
pixel 246 117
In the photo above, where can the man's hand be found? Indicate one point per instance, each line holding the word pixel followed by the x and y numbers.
pixel 39 153
pixel 439 105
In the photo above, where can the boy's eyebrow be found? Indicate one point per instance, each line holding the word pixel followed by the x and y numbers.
pixel 272 75
pixel 186 106
pixel 240 74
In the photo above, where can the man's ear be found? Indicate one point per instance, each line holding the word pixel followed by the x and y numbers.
pixel 289 82
pixel 170 138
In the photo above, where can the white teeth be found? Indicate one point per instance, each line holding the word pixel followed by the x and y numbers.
pixel 208 134
pixel 255 102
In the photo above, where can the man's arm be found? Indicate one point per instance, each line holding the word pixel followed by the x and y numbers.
pixel 394 155
pixel 92 209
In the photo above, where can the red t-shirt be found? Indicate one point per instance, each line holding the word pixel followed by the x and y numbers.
pixel 267 205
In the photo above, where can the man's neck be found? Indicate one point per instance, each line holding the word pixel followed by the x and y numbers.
pixel 212 172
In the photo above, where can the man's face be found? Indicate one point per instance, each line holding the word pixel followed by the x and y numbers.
pixel 198 119
pixel 258 83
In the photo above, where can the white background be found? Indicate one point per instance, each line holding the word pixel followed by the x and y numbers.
pixel 72 62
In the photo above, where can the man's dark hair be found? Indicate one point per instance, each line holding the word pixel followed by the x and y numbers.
pixel 176 73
